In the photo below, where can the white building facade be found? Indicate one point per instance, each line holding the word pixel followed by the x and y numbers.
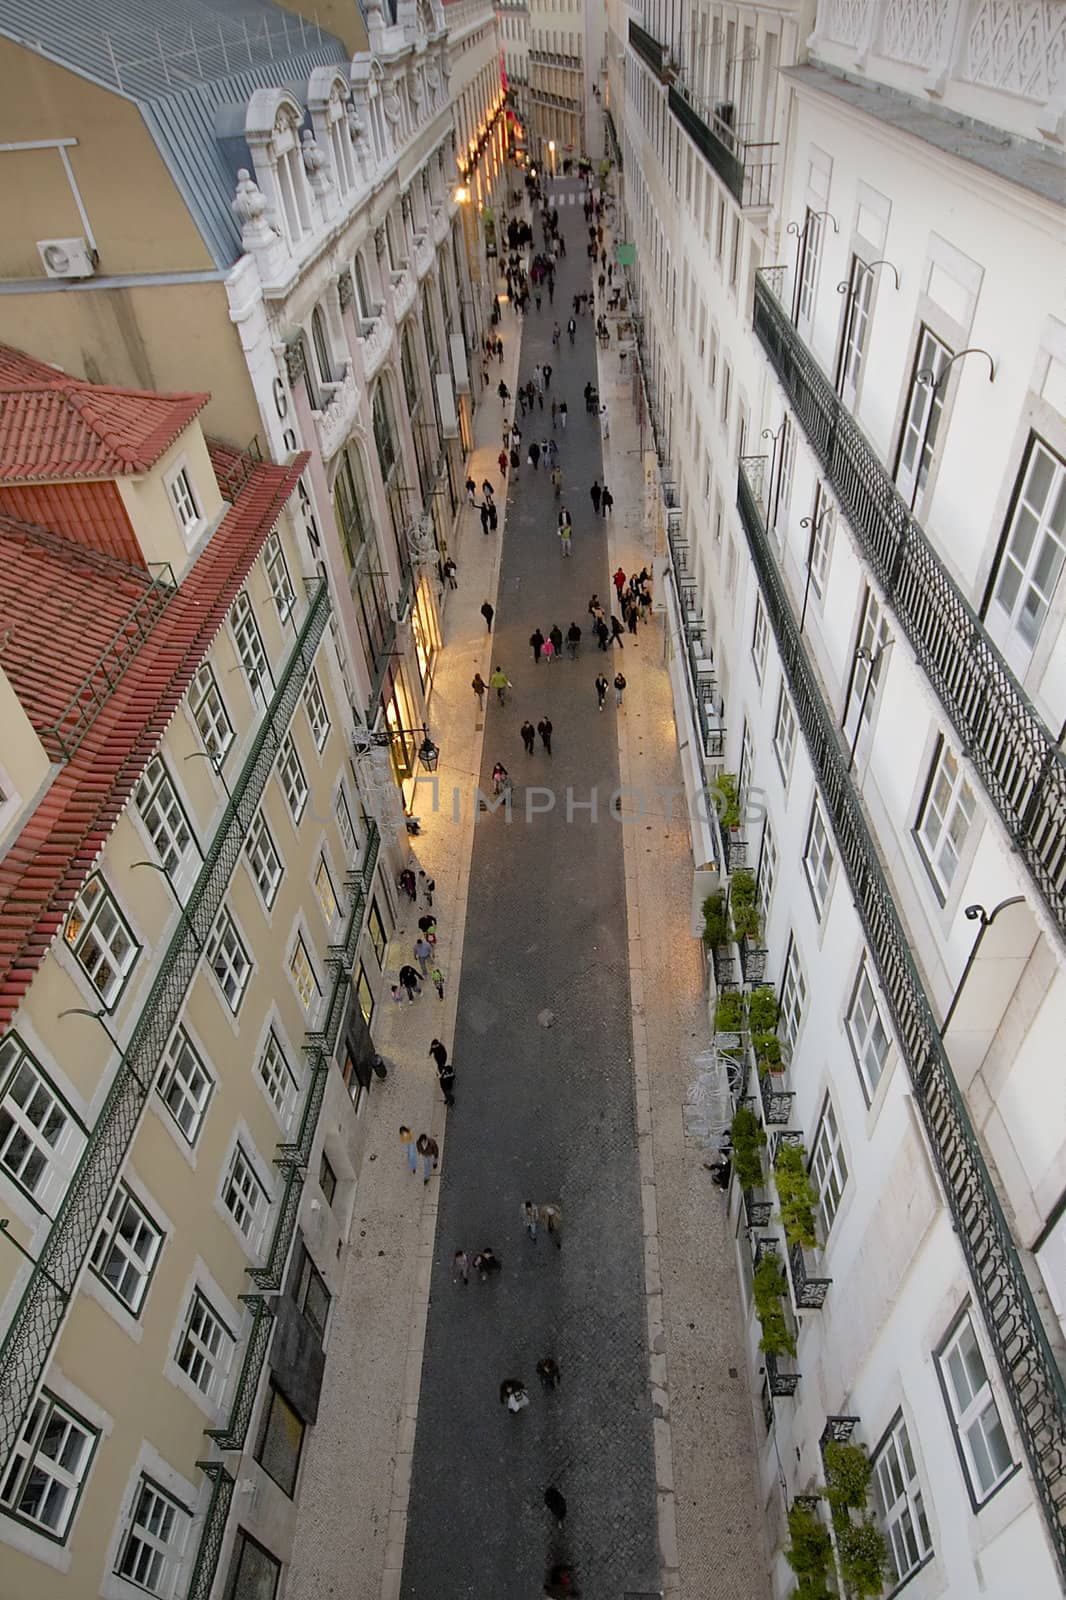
pixel 849 230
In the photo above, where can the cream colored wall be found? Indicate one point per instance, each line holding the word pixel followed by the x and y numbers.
pixel 22 757
pixel 150 508
pixel 117 1361
pixel 340 17
pixel 137 215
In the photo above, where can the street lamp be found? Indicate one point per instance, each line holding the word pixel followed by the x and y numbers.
pixel 976 913
pixel 873 661
pixel 462 194
pixel 365 740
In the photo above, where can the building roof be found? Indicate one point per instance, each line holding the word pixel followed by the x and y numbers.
pixel 62 607
pixel 55 428
pixel 191 66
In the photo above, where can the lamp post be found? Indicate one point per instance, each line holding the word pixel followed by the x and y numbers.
pixel 800 235
pixel 216 763
pixel 182 912
pixel 814 524
pixel 976 913
pixel 365 740
pixel 873 658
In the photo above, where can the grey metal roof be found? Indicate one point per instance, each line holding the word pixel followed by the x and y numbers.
pixel 191 66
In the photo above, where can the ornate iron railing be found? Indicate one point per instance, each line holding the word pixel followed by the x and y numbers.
pixel 213 1531
pixel 776 1103
pixel 757 1212
pixel 809 1292
pixel 233 1435
pixel 746 168
pixel 1011 748
pixel 837 1430
pixel 269 1275
pixel 648 49
pixel 1015 1330
pixel 753 959
pixel 612 140
pixel 782 1384
pixel 734 848
pixel 39 1315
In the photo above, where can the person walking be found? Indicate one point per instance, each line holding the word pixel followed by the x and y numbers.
pixel 619 688
pixel 565 537
pixel 486 516
pixel 534 455
pixel 409 981
pixel 436 977
pixel 470 486
pixel 515 460
pixel 555 1502
pixel 408 883
pixel 530 1218
pixel 603 633
pixel 595 495
pixel 548 1372
pixel 556 637
pixel 571 328
pixel 617 631
pixel 557 481
pixel 529 736
pixel 618 578
pixel 552 1217
pixel 488 612
pixel 448 571
pixel 439 1052
pixel 427 888
pixel 486 1262
pixel 605 423
pixel 499 681
pixel 461 1268
pixel 632 616
pixel 514 1395
pixel 607 501
pixel 562 415
pixel 544 728
pixel 573 641
pixel 549 650
pixel 536 641
pixel 601 690
pixel 478 684
pixel 407 1140
pixel 501 462
pixel 423 950
pixel 503 391
pixel 446 1079
pixel 430 1153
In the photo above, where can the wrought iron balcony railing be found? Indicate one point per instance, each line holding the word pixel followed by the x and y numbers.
pixel 39 1314
pixel 1012 749
pixel 776 1103
pixel 1012 1320
pixel 213 1531
pixel 758 1210
pixel 648 49
pixel 809 1292
pixel 233 1435
pixel 753 959
pixel 612 140
pixel 744 166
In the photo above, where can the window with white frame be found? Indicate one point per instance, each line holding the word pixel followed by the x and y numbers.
pixel 922 417
pixel 153 1548
pixel 868 1035
pixel 303 975
pixel 324 894
pixel 899 1503
pixel 784 733
pixel 982 1442
pixel 857 305
pixel 184 1085
pixel 264 862
pixel 279 1080
pixel 183 500
pixel 767 868
pixel 946 817
pixel 345 825
pixel 162 814
pixel 760 638
pixel 810 253
pixel 292 778
pixel 1034 546
pixel 48 1466
pixel 205 1348
pixel 290 178
pixel 250 649
pixel 228 960
pixel 39 1139
pixel 818 860
pixel 793 995
pixel 126 1248
pixel 786 465
pixel 100 938
pixel 210 714
pixel 819 541
pixel 245 1198
pixel 277 571
pixel 829 1167
pixel 869 663
pixel 315 706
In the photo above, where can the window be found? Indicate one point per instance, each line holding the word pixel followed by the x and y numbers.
pixel 376 929
pixel 249 642
pixel 229 961
pixel 182 498
pixel 291 776
pixel 161 813
pixel 263 860
pixel 829 1167
pixel 315 706
pixel 101 941
pixel 869 1040
pixel 367 308
pixel 856 326
pixel 819 542
pixel 1034 546
pixel 352 506
pixel 793 995
pixel 245 1198
pixel 320 344
pixel 810 251
pixel 921 419
pixel 364 993
pixel 209 714
pixel 277 572
pixel 37 1134
pixel 312 1296
pixel 785 468
pixel 818 860
pixel 946 818
pixel 760 638
pixel 184 1085
pixel 278 1078
pixel 327 1179
pixel 48 1466
pixel 784 734
pixel 745 768
pixel 869 664
pixel 151 1556
pixel 345 826
pixel 303 975
pixel 974 1415
pixel 126 1248
pixel 324 893
pixel 205 1348
pixel 899 1504
pixel 254 1574
pixel 281 1438
pixel 767 868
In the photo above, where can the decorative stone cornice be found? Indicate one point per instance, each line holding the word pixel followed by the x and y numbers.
pixel 295 359
pixel 345 289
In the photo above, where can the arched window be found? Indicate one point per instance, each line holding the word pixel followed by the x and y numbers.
pixel 411 388
pixel 385 432
pixel 351 504
pixel 363 298
pixel 323 358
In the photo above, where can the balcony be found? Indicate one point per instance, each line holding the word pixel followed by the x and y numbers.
pixel 374 345
pixel 403 294
pixel 1012 1321
pixel 423 254
pixel 776 1102
pixel 552 58
pixel 746 168
pixel 1012 750
pixel 235 1432
pixel 213 1530
pixel 808 1292
pixel 334 422
pixel 648 49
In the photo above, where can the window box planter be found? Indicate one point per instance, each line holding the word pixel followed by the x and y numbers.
pixel 796 1193
pixel 808 1292
pixel 748 1137
pixel 770 1294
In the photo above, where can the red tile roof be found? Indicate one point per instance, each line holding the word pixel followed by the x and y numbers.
pixel 54 427
pixel 52 645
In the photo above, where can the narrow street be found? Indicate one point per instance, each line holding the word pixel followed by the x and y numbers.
pixel 545 1103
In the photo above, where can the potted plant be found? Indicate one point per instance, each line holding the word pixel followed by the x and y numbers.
pixel 748 1139
pixel 810 1552
pixel 729 814
pixel 729 1012
pixel 716 931
pixel 860 1544
pixel 744 905
pixel 762 1009
pixel 767 1047
pixel 796 1195
pixel 768 1291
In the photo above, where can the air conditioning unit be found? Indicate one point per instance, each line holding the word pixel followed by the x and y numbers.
pixel 68 258
pixel 400 610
